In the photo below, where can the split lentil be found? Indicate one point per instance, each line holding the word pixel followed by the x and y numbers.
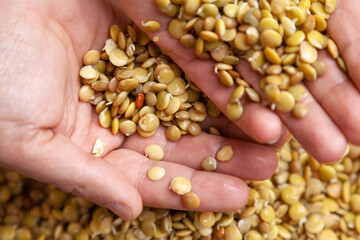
pixel 208 164
pixel 136 88
pixel 190 201
pixel 154 152
pixel 225 153
pixel 151 26
pixel 180 185
pixel 284 32
pixel 156 173
pixel 324 210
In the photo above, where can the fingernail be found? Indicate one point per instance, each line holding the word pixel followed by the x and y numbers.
pixel 347 150
pixel 122 210
pixel 274 141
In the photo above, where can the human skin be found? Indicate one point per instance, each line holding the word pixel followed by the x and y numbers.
pixel 48 134
pixel 333 100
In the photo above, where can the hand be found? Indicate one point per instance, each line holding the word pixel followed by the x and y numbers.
pixel 47 134
pixel 333 100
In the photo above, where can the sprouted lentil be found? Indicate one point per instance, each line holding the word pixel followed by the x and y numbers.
pixel 286 33
pixel 320 210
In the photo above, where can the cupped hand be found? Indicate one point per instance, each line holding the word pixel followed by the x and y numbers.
pixel 47 134
pixel 333 100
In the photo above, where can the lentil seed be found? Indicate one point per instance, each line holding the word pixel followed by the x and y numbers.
pixel 314 224
pixel 194 129
pixel 300 110
pixel 118 57
pixel 286 102
pixel 149 122
pixel 91 57
pixel 172 133
pixel 226 78
pixel 154 152
pixel 156 173
pixel 208 164
pixel 89 73
pixel 225 153
pixel 105 118
pixel 151 26
pixel 127 127
pixel 180 185
pixel 176 28
pixel 319 67
pixel 190 200
pixel 252 94
pixel 234 111
pixel 86 93
pixel 308 53
pixel 270 38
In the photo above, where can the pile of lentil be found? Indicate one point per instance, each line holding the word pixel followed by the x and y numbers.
pixel 279 38
pixel 136 88
pixel 303 200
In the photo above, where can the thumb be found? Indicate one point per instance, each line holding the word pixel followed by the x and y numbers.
pixel 60 162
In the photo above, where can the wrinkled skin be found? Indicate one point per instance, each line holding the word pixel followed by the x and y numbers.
pixel 48 134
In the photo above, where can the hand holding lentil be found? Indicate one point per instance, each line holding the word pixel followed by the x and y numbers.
pixel 332 122
pixel 268 214
pixel 53 138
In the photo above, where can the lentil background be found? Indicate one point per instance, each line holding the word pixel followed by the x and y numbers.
pixel 303 200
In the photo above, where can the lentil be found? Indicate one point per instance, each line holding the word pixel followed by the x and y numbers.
pixel 151 26
pixel 208 164
pixel 118 57
pixel 314 224
pixel 86 93
pixel 149 122
pixel 286 102
pixel 156 173
pixel 173 133
pixel 154 152
pixel 225 153
pixel 180 185
pixel 127 127
pixel 234 111
pixel 91 57
pixel 314 190
pixel 300 110
pixel 190 200
pixel 321 211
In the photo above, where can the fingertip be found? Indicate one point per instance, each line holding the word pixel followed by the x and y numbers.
pixel 284 138
pixel 127 211
pixel 268 165
pixel 243 194
pixel 264 125
pixel 109 188
pixel 330 151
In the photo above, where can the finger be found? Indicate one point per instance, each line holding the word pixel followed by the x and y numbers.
pixel 339 98
pixel 217 192
pixel 265 129
pixel 55 160
pixel 348 38
pixel 249 161
pixel 317 133
pixel 228 129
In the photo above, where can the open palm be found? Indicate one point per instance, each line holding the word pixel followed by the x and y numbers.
pixel 47 134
